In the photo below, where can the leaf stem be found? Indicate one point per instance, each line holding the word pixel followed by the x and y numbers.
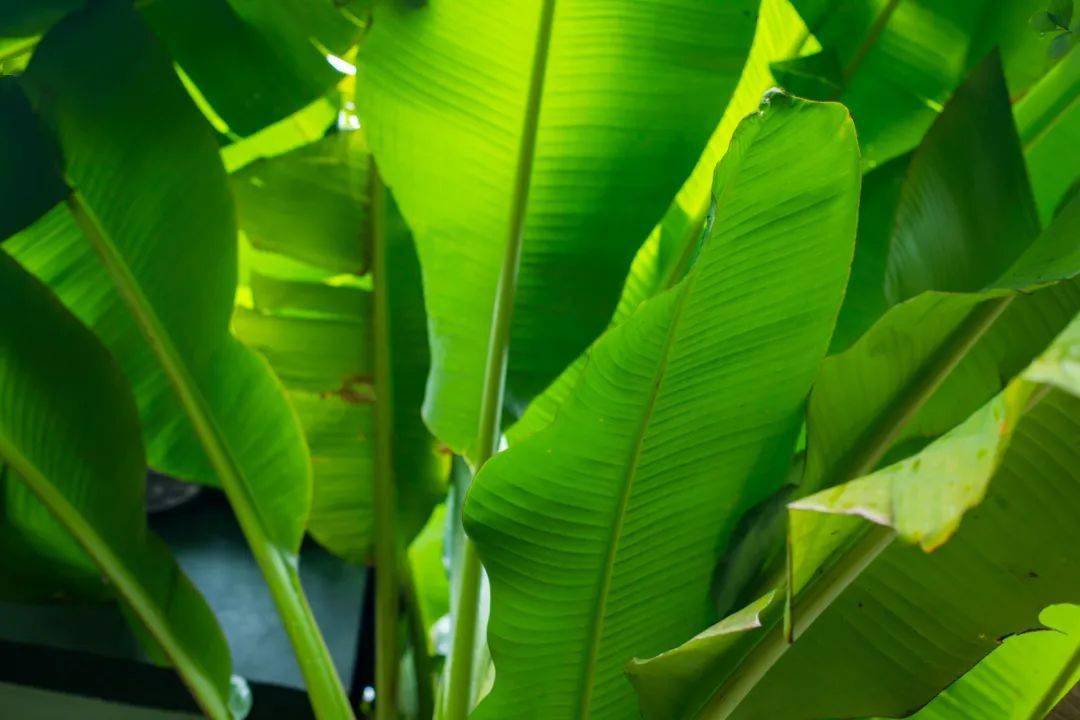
pixel 279 567
pixel 868 42
pixel 128 587
pixel 880 436
pixel 418 639
pixel 811 603
pixel 459 689
pixel 384 500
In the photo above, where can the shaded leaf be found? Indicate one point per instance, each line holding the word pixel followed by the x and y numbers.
pixel 255 62
pixel 965 211
pixel 32 186
pixel 895 649
pixel 309 203
pixel 69 432
pixel 1012 680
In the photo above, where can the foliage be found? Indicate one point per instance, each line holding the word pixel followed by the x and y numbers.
pixel 680 394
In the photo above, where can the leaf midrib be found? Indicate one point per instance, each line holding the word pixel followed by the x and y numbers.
pixel 277 563
pixel 596 625
pixel 145 608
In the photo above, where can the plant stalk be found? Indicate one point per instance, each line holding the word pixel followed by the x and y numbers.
pixel 418 639
pixel 279 566
pixel 384 500
pixel 459 689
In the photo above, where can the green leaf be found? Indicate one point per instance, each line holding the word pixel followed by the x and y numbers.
pixel 899 63
pixel 25 146
pixel 107 92
pixel 27 19
pixel 315 328
pixel 865 300
pixel 929 361
pixel 669 251
pixel 255 62
pixel 69 431
pixel 1048 118
pixel 1015 678
pixel 443 111
pixel 1061 45
pixel 895 649
pixel 601 532
pixel 308 204
pixel 965 211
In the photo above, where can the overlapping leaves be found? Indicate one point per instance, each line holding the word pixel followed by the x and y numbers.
pixel 594 537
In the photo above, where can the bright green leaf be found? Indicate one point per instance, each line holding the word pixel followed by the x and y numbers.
pixel 668 252
pixel 631 93
pixel 316 331
pixel 591 535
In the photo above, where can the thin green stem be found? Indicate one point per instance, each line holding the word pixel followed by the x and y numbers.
pixel 1058 688
pixel 418 639
pixel 127 585
pixel 278 566
pixel 459 689
pixel 384 501
pixel 868 42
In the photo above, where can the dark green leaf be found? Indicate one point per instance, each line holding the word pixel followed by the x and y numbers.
pixel 816 76
pixel 1043 22
pixel 32 183
pixel 965 211
pixel 255 62
pixel 69 431
pixel 1061 11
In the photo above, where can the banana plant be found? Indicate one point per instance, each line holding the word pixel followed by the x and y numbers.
pixel 737 349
